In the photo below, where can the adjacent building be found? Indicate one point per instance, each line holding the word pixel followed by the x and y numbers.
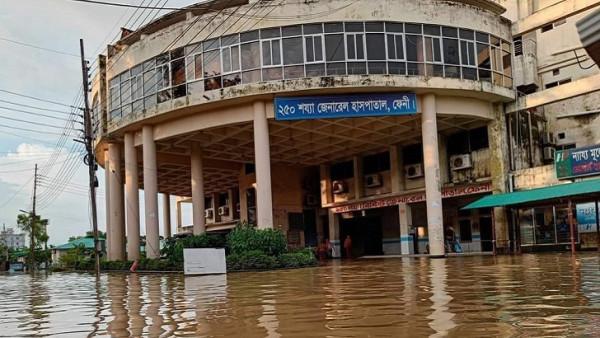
pixel 379 120
pixel 10 239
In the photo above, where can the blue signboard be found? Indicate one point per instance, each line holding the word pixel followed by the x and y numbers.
pixel 586 217
pixel 577 162
pixel 339 106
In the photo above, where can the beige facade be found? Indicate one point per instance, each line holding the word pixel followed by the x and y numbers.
pixel 190 98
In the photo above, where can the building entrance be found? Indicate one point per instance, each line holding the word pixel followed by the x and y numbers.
pixel 366 234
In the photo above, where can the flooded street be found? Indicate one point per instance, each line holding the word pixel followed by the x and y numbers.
pixel 529 295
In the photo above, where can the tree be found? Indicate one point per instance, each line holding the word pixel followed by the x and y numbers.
pixel 35 227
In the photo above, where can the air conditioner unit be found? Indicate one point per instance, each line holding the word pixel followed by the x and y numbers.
pixel 209 213
pixel 373 181
pixel 224 211
pixel 549 153
pixel 413 170
pixel 310 200
pixel 459 162
pixel 547 139
pixel 339 187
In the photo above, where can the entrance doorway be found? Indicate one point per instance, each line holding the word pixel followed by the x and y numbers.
pixel 485 230
pixel 366 234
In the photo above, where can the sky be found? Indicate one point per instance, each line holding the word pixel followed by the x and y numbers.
pixel 57 25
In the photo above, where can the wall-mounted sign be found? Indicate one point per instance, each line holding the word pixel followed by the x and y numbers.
pixel 577 162
pixel 339 106
pixel 414 198
pixel 586 217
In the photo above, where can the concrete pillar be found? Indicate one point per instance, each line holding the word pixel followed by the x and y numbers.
pixel 262 162
pixel 117 215
pixel 498 142
pixel 359 178
pixel 325 178
pixel 334 234
pixel 166 215
pixel 243 205
pixel 151 193
pixel 396 169
pixel 230 204
pixel 433 191
pixel 197 190
pixel 215 205
pixel 132 199
pixel 406 240
pixel 179 215
pixel 107 203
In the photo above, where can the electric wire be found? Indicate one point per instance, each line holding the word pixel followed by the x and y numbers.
pixel 37 98
pixel 33 113
pixel 34 107
pixel 38 47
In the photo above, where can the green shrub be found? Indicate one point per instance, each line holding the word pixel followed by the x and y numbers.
pixel 245 238
pixel 173 248
pixel 251 260
pixel 297 259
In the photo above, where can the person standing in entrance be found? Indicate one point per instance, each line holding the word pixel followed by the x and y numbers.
pixel 348 246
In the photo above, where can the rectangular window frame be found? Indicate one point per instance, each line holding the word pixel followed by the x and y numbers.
pixel 262 59
pixel 395 38
pixel 312 37
pixel 364 42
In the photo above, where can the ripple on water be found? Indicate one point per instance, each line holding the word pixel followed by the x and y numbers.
pixel 529 295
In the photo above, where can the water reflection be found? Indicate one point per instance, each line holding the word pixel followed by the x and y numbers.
pixel 529 295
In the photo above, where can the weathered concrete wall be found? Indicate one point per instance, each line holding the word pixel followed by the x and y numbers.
pixel 535 177
pixel 580 130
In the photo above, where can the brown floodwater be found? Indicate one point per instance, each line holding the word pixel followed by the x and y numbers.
pixel 506 296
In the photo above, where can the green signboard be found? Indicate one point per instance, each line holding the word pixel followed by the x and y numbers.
pixel 577 162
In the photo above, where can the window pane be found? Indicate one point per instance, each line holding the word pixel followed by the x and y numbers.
pixel 232 80
pixel 466 34
pixel 452 71
pixel 435 70
pixel 212 63
pixel 164 96
pixel 226 55
pixel 394 27
pixel 391 46
pixel 293 72
pixel 351 47
pixel 354 27
pixel 272 74
pixel 198 66
pixel 415 69
pixel 412 28
pixel 315 70
pixel 250 55
pixel 249 36
pixel 469 73
pixel 310 52
pixel 357 68
pixel 190 74
pixel 334 27
pixel 270 33
pixel 397 68
pixel 375 47
pixel 374 26
pixel 414 48
pixel 195 88
pixel 291 30
pixel 211 44
pixel 496 59
pixel 292 51
pixel 431 30
pixel 451 51
pixel 483 56
pixel 266 53
pixel 467 55
pixel 115 99
pixel 506 61
pixel 126 92
pixel 178 71
pixel 212 83
pixel 276 52
pixel 252 76
pixel 230 40
pixel 377 68
pixel 334 47
pixel 235 58
pixel 485 75
pixel 313 28
pixel 360 48
pixel 179 91
pixel 149 82
pixel 337 68
pixel 449 31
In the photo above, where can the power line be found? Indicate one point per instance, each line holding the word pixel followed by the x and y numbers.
pixel 34 130
pixel 4 132
pixel 32 122
pixel 38 99
pixel 38 47
pixel 35 107
pixel 116 4
pixel 16 193
pixel 34 114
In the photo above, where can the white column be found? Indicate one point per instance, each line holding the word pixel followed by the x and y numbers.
pixel 179 215
pixel 433 191
pixel 107 206
pixel 197 190
pixel 150 193
pixel 166 215
pixel 132 200
pixel 396 169
pixel 405 217
pixel 325 177
pixel 359 187
pixel 262 162
pixel 117 227
pixel 334 234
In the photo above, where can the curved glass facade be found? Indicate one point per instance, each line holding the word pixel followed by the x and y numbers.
pixel 311 50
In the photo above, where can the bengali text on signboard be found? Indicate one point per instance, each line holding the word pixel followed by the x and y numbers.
pixel 577 162
pixel 586 217
pixel 341 106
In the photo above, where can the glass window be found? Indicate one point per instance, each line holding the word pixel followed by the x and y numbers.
pixel 374 26
pixel 376 46
pixel 431 30
pixel 198 66
pixel 413 28
pixel 212 83
pixel 317 69
pixel 271 52
pixel 544 225
pixel 249 36
pixel 394 27
pixel 252 76
pixel 163 77
pixel 211 44
pixel 231 59
pixel 466 34
pixel 377 68
pixel 126 92
pixel 355 46
pixel 526 226
pixel 334 47
pixel 293 72
pixel 178 71
pixel 137 89
pixel 333 27
pixel 150 82
pixel 232 80
pixel 212 63
pixel 250 55
pixel 292 51
pixel 467 53
pixel 483 56
pixel 414 48
pixel 354 27
pixel 395 47
pixel 313 28
pixel 269 74
pixel 397 68
pixel 357 68
pixel 115 98
pixel 336 68
pixel 450 32
pixel 269 33
pixel 291 30
pixel 314 48
pixel 433 49
pixel 229 40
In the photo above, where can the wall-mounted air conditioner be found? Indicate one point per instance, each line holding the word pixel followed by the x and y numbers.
pixel 373 181
pixel 339 187
pixel 224 211
pixel 209 213
pixel 549 153
pixel 459 162
pixel 413 170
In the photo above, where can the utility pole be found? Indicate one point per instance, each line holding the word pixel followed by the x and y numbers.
pixel 90 158
pixel 32 222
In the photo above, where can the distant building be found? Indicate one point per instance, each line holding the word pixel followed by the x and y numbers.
pixel 12 240
pixel 86 242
